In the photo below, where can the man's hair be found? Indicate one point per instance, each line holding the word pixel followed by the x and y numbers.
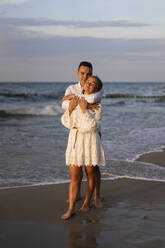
pixel 85 63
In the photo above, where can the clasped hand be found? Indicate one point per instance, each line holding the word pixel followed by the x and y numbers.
pixel 75 101
pixel 83 104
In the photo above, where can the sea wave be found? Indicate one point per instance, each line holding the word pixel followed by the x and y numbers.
pixel 134 170
pixel 50 110
pixel 32 95
pixel 60 94
pixel 138 141
pixel 120 95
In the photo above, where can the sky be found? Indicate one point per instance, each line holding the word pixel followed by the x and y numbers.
pixel 46 40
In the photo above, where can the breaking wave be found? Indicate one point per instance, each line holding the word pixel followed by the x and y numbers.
pixel 31 95
pixel 50 110
pixel 118 95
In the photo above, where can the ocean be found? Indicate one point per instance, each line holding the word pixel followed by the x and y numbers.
pixel 33 140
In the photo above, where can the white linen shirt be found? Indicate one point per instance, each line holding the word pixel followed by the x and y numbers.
pixel 77 90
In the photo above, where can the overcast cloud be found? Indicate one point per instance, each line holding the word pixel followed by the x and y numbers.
pixel 76 24
pixel 12 1
pixel 23 43
pixel 45 41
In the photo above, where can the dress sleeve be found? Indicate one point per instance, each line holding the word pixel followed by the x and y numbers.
pixel 67 120
pixel 89 122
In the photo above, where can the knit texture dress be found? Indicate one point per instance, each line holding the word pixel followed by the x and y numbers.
pixel 84 143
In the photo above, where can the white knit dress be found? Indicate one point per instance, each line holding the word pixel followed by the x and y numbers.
pixel 84 143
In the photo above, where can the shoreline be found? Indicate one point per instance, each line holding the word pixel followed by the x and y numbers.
pixel 84 181
pixel 156 157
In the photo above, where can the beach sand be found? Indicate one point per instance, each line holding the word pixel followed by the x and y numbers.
pixel 132 216
pixel 154 157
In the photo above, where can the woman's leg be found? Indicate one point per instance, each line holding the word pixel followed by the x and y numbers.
pixel 91 183
pixel 79 189
pixel 76 177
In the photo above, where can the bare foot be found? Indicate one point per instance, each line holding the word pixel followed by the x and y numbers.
pixel 84 208
pixel 67 215
pixel 98 203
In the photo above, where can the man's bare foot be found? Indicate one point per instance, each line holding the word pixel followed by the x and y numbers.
pixel 84 208
pixel 98 203
pixel 67 215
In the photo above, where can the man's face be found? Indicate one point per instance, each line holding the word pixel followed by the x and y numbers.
pixel 83 74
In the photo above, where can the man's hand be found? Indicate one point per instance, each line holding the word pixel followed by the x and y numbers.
pixel 73 104
pixel 83 104
pixel 68 97
pixel 93 106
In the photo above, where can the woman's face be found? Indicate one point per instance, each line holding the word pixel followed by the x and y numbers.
pixel 90 85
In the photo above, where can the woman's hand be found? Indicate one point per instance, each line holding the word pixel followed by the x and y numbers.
pixel 68 97
pixel 73 104
pixel 83 104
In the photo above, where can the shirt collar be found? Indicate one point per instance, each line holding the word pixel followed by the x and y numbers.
pixel 79 85
pixel 80 88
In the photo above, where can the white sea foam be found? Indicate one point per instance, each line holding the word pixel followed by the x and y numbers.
pixel 140 141
pixel 51 110
pixel 137 169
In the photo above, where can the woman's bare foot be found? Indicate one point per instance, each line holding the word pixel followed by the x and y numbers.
pixel 67 215
pixel 98 203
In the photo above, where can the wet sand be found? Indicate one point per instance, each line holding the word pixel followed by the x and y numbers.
pixel 133 216
pixel 154 157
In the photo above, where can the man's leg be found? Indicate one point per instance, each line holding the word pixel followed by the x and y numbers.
pixel 97 197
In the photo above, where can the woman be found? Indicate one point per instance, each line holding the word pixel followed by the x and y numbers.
pixel 84 145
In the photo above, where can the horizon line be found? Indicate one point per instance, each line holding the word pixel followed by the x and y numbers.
pixel 76 81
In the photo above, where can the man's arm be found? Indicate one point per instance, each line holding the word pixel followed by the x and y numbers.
pixel 94 98
pixel 68 97
pixel 65 103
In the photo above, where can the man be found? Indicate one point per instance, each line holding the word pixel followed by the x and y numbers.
pixel 85 70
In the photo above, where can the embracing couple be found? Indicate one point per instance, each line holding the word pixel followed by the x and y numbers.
pixel 82 102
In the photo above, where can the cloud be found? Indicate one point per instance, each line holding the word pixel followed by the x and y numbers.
pixel 12 1
pixel 19 42
pixel 30 44
pixel 31 55
pixel 72 23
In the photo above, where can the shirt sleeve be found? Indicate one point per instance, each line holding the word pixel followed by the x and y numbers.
pixel 94 98
pixel 65 104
